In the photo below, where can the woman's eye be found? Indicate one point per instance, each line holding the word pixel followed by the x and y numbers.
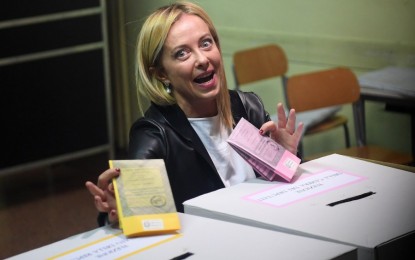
pixel 207 43
pixel 180 53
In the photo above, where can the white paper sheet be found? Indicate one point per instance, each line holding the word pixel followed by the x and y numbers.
pixel 113 247
pixel 285 194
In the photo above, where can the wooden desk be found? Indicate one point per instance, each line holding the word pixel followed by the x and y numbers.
pixel 393 86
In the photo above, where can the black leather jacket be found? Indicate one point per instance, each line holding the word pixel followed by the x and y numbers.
pixel 165 132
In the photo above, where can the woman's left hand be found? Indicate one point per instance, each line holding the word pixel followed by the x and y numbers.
pixel 284 131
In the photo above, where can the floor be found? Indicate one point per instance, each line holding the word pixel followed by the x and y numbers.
pixel 41 206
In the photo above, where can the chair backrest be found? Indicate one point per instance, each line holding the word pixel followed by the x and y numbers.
pixel 320 89
pixel 259 63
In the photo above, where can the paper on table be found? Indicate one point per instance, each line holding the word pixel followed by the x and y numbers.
pixel 114 246
pixel 285 194
pixel 397 79
pixel 266 156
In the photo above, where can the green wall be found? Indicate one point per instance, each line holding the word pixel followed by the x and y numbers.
pixel 360 34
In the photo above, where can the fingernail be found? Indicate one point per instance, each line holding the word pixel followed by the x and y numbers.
pixel 117 169
pixel 261 131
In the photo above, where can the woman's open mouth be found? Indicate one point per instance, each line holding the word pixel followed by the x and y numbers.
pixel 204 78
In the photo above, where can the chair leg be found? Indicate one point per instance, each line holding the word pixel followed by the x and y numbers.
pixel 346 135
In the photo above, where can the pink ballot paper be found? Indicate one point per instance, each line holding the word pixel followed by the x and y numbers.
pixel 266 156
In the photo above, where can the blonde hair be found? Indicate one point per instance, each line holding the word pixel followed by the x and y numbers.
pixel 150 44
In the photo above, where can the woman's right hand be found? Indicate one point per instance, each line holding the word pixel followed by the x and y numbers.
pixel 284 131
pixel 103 193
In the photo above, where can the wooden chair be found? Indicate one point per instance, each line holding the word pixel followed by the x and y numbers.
pixel 338 86
pixel 269 61
pixel 259 63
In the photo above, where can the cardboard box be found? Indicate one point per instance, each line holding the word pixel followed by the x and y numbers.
pixel 381 224
pixel 199 238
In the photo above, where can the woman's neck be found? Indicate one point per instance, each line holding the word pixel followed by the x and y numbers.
pixel 199 109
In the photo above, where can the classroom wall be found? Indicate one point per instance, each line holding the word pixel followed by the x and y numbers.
pixel 360 34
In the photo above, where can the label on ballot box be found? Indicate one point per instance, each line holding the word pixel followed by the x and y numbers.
pixel 145 203
pixel 271 160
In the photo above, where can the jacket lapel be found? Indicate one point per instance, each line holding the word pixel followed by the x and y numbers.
pixel 237 107
pixel 177 120
pixel 174 117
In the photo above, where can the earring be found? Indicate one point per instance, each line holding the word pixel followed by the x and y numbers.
pixel 167 87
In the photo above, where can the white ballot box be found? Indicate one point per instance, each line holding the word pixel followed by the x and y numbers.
pixel 199 238
pixel 334 198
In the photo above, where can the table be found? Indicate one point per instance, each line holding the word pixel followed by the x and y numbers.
pixel 391 85
pixel 199 238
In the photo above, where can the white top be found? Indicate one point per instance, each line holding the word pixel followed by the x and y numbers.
pixel 232 168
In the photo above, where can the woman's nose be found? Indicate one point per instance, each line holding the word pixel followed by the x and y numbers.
pixel 202 60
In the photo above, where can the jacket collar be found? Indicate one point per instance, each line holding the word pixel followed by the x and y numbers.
pixel 237 106
pixel 174 117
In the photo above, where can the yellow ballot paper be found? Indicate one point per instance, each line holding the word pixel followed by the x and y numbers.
pixel 144 199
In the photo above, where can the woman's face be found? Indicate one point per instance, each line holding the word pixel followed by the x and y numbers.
pixel 191 62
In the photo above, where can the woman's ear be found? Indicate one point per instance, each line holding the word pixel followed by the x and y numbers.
pixel 159 74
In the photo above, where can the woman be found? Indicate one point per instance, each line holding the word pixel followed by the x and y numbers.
pixel 192 112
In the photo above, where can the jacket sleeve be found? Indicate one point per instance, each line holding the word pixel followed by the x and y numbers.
pixel 254 108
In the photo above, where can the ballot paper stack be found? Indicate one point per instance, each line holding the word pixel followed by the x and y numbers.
pixel 271 160
pixel 144 198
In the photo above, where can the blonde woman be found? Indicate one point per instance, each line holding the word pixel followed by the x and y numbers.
pixel 192 112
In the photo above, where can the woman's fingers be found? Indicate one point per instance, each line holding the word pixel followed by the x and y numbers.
pixel 113 216
pixel 268 127
pixel 282 118
pixel 93 189
pixel 103 191
pixel 290 126
pixel 106 177
pixel 298 134
pixel 284 131
pixel 105 203
pixel 101 205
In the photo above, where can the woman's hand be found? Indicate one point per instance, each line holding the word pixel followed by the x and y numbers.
pixel 103 193
pixel 284 133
